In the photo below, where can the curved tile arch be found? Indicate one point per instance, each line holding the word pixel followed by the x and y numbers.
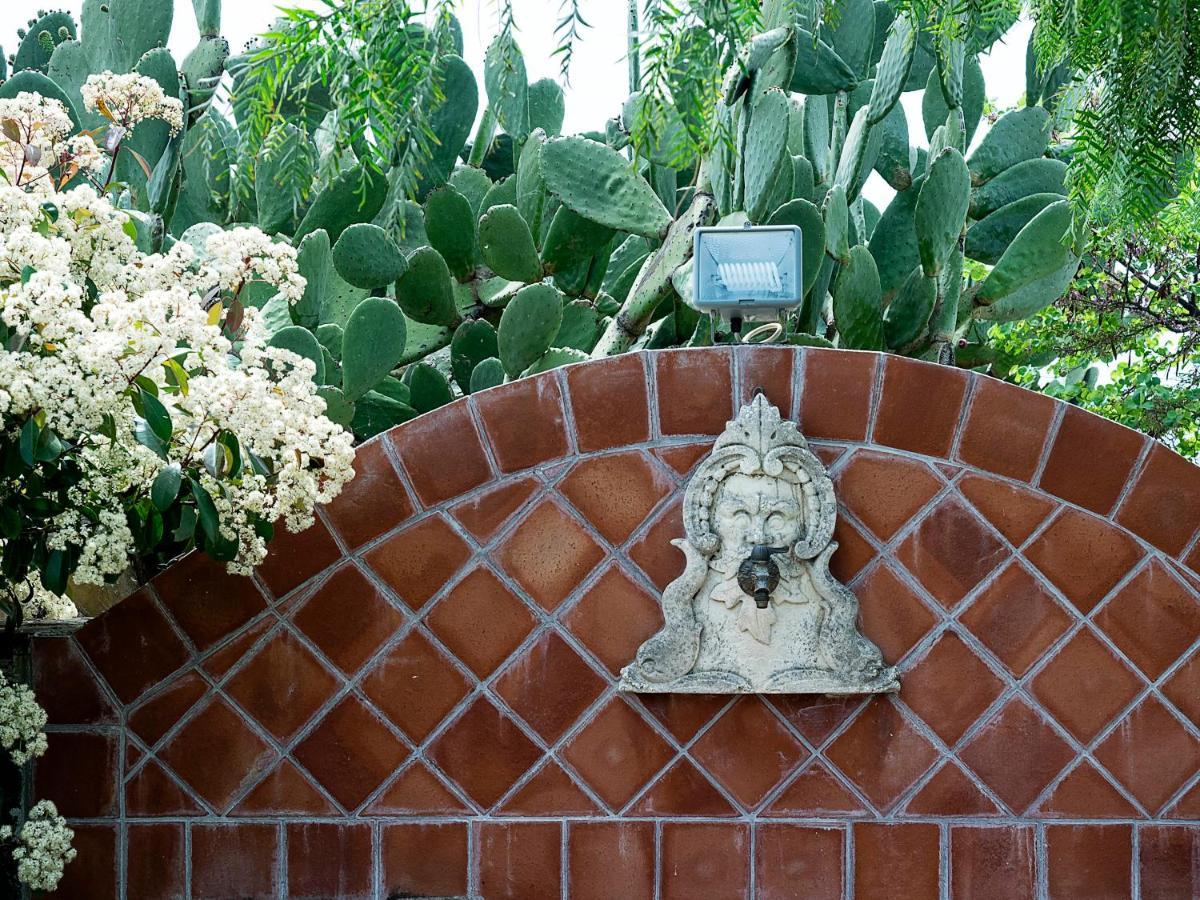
pixel 422 685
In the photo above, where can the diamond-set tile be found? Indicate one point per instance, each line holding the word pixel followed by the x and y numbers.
pixel 549 686
pixel 417 561
pixel 617 753
pixel 415 685
pixel 1083 556
pixel 348 618
pixel 1151 753
pixel 282 685
pixel 616 492
pixel 683 791
pixel 613 617
pixel 1015 512
pixel 1017 753
pixel 951 551
pixel 481 621
pixel 1153 619
pixel 893 616
pixel 1084 686
pixel 749 751
pixel 884 491
pixel 949 687
pixel 484 752
pixel 882 753
pixel 1016 618
pixel 549 554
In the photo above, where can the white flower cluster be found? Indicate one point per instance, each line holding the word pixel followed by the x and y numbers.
pixel 130 99
pixel 37 136
pixel 89 319
pixel 21 722
pixel 44 847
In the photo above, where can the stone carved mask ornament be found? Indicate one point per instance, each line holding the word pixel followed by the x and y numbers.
pixel 756 609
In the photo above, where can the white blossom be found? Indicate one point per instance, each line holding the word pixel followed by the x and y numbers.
pixel 242 255
pixel 44 847
pixel 130 99
pixel 21 722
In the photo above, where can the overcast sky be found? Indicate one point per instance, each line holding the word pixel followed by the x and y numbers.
pixel 598 84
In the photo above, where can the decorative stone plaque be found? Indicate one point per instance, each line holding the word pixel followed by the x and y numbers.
pixel 756 609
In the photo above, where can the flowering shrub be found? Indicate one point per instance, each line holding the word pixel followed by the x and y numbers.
pixel 142 409
pixel 43 846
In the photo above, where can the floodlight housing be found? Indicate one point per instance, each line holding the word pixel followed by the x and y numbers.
pixel 748 271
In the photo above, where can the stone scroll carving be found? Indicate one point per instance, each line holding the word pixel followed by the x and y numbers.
pixel 756 609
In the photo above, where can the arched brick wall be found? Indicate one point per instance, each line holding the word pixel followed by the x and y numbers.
pixel 416 696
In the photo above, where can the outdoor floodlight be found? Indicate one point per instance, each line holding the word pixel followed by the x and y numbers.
pixel 745 272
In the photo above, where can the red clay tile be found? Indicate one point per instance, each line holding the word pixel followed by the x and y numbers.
pixel 892 614
pixel 549 554
pixel 835 394
pixel 853 554
pixel 616 753
pixel 1151 753
pixel 1017 754
pixel 993 863
pixel 684 714
pixel 348 618
pixel 415 685
pixel 1083 556
pixel 1110 450
pixel 484 752
pixel 550 792
pixel 1164 504
pixel 616 492
pixel 682 791
pixel 1169 861
pixel 816 716
pixel 152 793
pixel 613 617
pixel 135 625
pixel 705 859
pixel 57 661
pixel 92 875
pixel 695 390
pixel 78 774
pixel 1183 689
pixel 949 687
pixel 951 793
pixel 208 603
pixel 373 502
pixel 285 792
pixel 795 862
pixel 350 752
pixel 221 660
pixel 683 457
pixel 418 561
pixel 749 751
pixel 1091 861
pixel 603 854
pixel 520 860
pixel 881 753
pixel 481 621
pixel 549 686
pixel 425 860
pixel 1085 794
pixel 951 551
pixel 815 792
pixel 893 861
pixel 1153 619
pixel 217 754
pixel 1016 618
pixel 1187 806
pixel 282 685
pixel 1084 686
pixel 524 421
pixel 608 402
pixel 133 753
pixel 885 490
pixel 1014 511
pixel 1005 429
pixel 292 559
pixel 234 861
pixel 416 792
pixel 485 513
pixel 919 406
pixel 154 861
pixel 441 453
pixel 653 553
pixel 158 713
pixel 768 369
pixel 329 860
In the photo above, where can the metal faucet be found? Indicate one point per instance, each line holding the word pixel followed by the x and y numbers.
pixel 758 574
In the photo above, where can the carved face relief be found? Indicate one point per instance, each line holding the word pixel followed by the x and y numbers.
pixel 756 608
pixel 757 509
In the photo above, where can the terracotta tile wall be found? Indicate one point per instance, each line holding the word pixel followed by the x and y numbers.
pixel 416 696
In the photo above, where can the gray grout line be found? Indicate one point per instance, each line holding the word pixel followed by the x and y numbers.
pixel 1056 420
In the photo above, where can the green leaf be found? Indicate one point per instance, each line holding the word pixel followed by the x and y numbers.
pixel 206 510
pixel 166 486
pixel 156 415
pixel 29 440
